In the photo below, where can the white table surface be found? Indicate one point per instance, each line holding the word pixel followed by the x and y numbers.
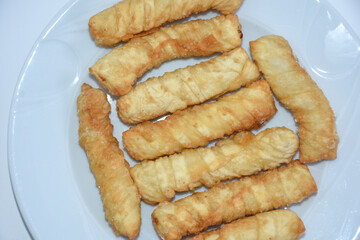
pixel 21 22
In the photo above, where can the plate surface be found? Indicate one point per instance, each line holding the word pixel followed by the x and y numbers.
pixel 53 185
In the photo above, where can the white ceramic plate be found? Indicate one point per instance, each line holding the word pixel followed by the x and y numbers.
pixel 53 185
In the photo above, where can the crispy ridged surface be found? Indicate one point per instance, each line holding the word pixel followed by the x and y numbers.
pixel 295 89
pixel 130 17
pixel 244 110
pixel 277 224
pixel 188 86
pixel 120 196
pixel 239 155
pixel 253 153
pixel 228 202
pixel 119 69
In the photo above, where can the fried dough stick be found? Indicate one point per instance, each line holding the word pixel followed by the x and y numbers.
pixel 295 89
pixel 187 86
pixel 244 110
pixel 121 200
pixel 277 224
pixel 130 17
pixel 266 150
pixel 239 155
pixel 119 69
pixel 228 202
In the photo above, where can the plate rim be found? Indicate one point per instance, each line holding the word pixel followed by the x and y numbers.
pixel 16 187
pixel 11 123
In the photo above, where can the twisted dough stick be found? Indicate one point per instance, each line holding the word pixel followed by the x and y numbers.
pixel 129 17
pixel 239 155
pixel 227 202
pixel 119 69
pixel 187 86
pixel 119 194
pixel 196 126
pixel 295 89
pixel 266 150
pixel 278 224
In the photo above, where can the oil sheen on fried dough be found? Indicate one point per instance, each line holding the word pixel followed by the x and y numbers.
pixel 121 200
pixel 295 89
pixel 131 17
pixel 187 86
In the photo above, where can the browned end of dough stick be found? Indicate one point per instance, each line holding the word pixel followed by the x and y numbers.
pixel 129 18
pixel 120 196
pixel 227 202
pixel 239 155
pixel 119 69
pixel 187 86
pixel 295 89
pixel 278 224
pixel 246 109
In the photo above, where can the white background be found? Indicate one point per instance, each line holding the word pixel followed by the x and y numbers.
pixel 21 22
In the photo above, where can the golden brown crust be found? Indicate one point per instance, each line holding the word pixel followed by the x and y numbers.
pixel 187 86
pixel 120 196
pixel 246 109
pixel 295 89
pixel 240 155
pixel 130 18
pixel 277 224
pixel 266 150
pixel 231 201
pixel 119 70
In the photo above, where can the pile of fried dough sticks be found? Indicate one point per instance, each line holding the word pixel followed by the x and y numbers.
pixel 172 153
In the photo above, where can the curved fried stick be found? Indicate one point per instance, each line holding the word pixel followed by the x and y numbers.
pixel 130 17
pixel 240 155
pixel 244 110
pixel 119 69
pixel 120 196
pixel 187 86
pixel 228 202
pixel 295 89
